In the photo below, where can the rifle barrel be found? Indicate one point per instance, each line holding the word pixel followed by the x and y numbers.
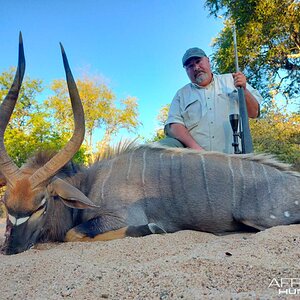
pixel 245 134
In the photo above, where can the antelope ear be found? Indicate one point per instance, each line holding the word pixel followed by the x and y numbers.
pixel 69 194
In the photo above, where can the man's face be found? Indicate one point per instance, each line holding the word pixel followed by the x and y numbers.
pixel 198 70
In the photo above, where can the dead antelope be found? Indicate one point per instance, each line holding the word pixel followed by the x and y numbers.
pixel 141 191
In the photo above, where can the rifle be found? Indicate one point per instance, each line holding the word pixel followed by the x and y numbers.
pixel 240 120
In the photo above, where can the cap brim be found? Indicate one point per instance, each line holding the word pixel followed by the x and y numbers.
pixel 191 56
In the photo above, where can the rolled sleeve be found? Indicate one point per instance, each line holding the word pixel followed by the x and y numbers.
pixel 175 115
pixel 255 93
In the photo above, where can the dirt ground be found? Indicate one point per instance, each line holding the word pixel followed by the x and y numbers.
pixel 184 265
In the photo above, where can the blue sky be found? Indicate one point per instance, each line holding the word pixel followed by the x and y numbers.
pixel 136 46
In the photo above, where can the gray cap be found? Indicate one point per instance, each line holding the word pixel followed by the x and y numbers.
pixel 192 52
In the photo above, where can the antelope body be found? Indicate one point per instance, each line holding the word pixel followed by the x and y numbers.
pixel 141 191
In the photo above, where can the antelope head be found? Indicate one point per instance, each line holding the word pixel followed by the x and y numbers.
pixel 29 190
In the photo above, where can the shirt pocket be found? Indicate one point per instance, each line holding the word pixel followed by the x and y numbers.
pixel 228 102
pixel 192 114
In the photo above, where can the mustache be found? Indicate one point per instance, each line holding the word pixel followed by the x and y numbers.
pixel 199 72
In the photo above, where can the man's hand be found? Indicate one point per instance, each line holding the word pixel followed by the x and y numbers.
pixel 239 80
pixel 180 132
pixel 251 102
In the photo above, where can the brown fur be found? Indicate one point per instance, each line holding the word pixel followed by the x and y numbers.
pixel 74 236
pixel 21 191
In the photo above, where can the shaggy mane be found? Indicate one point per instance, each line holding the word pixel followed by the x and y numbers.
pixel 123 146
pixel 39 158
pixel 266 159
pixel 42 157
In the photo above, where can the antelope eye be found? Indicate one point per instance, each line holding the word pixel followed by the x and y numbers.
pixel 43 203
pixel 41 210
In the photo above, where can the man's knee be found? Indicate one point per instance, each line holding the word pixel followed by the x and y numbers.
pixel 169 142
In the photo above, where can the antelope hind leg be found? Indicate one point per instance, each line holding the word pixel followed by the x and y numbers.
pixel 86 232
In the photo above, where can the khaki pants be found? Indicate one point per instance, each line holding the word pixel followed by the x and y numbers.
pixel 169 142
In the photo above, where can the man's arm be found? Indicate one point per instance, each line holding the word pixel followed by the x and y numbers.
pixel 180 132
pixel 251 102
pixel 175 127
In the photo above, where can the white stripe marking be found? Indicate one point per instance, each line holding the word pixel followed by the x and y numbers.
pixel 268 181
pixel 43 201
pixel 243 177
pixel 144 167
pixel 21 221
pixel 17 222
pixel 12 219
pixel 206 185
pixel 254 178
pixel 130 162
pixel 232 178
pixel 160 157
pixel 106 178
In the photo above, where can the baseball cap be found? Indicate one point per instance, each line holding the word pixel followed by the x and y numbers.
pixel 192 52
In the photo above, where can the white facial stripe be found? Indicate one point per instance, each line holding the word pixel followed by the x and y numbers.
pixel 16 221
pixel 21 221
pixel 37 214
pixel 43 202
pixel 12 219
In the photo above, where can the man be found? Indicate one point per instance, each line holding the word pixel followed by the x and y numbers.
pixel 199 113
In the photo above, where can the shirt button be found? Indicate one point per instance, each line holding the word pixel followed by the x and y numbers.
pixel 213 137
pixel 211 122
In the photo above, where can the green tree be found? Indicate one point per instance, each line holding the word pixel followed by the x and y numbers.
pixel 26 103
pixel 268 43
pixel 101 110
pixel 27 128
pixel 161 119
pixel 30 128
pixel 278 133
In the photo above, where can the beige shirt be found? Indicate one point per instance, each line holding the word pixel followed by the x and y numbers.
pixel 205 111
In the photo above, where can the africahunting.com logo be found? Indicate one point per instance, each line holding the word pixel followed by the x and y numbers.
pixel 286 286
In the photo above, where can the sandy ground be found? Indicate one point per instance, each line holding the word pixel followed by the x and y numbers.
pixel 183 265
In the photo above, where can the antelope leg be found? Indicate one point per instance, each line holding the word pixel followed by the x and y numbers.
pixel 75 234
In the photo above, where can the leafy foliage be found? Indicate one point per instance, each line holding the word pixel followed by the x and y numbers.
pixel 268 43
pixel 101 110
pixel 34 127
pixel 278 132
pixel 26 103
pixel 161 118
pixel 27 129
